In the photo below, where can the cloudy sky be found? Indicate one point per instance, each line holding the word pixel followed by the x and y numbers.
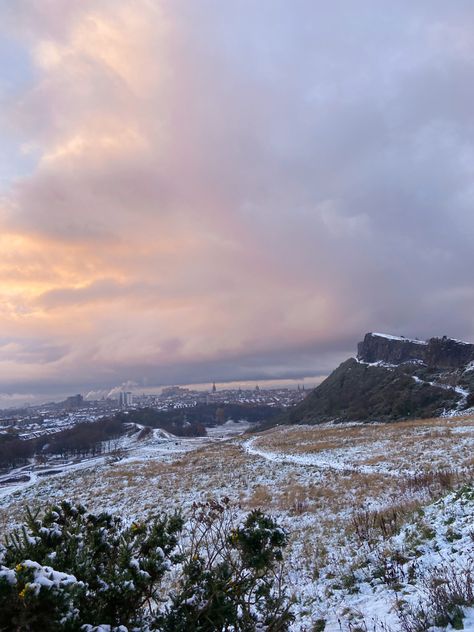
pixel 196 190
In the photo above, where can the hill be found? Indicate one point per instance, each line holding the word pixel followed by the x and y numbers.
pixel 394 378
pixel 366 506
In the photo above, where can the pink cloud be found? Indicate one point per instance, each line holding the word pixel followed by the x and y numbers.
pixel 212 186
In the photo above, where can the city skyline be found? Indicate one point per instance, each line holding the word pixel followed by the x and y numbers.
pixel 238 191
pixel 14 400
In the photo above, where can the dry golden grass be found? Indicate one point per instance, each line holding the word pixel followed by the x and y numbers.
pixel 261 497
pixel 319 504
pixel 397 446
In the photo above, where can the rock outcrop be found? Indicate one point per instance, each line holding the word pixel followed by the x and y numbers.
pixel 394 378
pixel 443 353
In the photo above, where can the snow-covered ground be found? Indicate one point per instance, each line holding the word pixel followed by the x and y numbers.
pixel 157 445
pixel 369 506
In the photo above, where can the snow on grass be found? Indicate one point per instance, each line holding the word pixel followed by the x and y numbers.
pixel 352 496
pixel 326 459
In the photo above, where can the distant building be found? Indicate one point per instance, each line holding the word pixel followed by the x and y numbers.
pixel 174 391
pixel 214 389
pixel 125 399
pixel 73 402
pixel 8 422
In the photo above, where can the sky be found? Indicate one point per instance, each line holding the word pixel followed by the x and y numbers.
pixel 198 190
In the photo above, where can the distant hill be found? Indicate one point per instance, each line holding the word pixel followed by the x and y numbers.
pixel 394 378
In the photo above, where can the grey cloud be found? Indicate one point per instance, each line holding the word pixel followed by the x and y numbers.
pixel 31 351
pixel 298 158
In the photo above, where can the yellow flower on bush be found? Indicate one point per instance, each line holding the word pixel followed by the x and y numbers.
pixel 22 594
pixel 234 536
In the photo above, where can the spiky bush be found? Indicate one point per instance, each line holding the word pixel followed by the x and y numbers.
pixel 71 571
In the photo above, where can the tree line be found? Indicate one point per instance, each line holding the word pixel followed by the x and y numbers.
pixel 193 421
pixel 94 438
pixel 83 439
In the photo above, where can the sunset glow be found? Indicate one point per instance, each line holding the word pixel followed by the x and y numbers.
pixel 199 191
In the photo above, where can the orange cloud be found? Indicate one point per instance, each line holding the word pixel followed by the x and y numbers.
pixel 212 190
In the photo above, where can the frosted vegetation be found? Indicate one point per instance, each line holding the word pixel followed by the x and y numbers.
pixel 375 524
pixel 75 571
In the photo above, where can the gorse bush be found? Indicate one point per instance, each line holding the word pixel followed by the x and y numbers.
pixel 231 575
pixel 72 571
pixel 72 568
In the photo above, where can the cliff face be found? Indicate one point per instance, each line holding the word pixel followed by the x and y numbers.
pixel 390 349
pixel 443 353
pixel 360 392
pixel 394 378
pixel 448 353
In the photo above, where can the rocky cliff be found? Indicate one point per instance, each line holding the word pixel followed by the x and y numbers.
pixel 444 353
pixel 394 378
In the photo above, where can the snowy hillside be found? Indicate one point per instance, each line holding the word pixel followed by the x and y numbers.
pixel 376 522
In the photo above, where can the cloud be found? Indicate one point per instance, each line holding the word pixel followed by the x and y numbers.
pixel 102 291
pixel 232 190
pixel 32 351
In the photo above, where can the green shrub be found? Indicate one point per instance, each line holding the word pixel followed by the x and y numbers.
pixel 72 571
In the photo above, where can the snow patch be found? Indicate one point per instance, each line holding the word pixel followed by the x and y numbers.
pixel 400 338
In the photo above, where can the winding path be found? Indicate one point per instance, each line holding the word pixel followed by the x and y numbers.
pixel 317 460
